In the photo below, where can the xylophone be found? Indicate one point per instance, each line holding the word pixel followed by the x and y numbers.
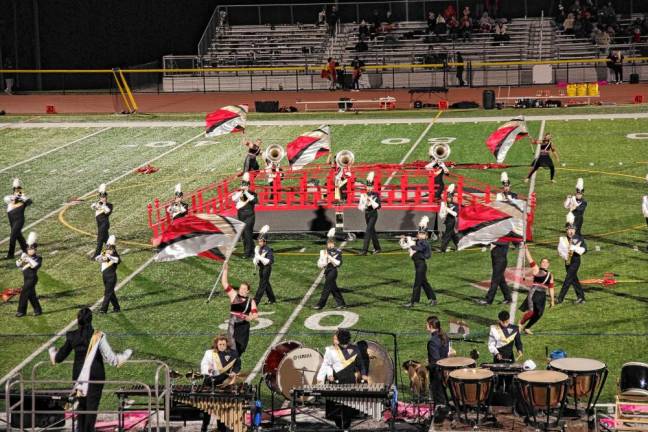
pixel 370 399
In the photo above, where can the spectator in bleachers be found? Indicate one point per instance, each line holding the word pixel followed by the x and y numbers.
pixel 500 30
pixel 460 69
pixel 465 12
pixel 615 63
pixel 561 16
pixel 361 46
pixel 607 15
pixel 363 30
pixel 453 26
pixel 449 11
pixel 601 39
pixel 486 23
pixel 332 20
pixel 568 24
pixel 223 22
pixel 321 17
pixel 576 8
pixel 389 25
pixel 440 28
pixel 636 36
pixel 431 22
pixel 465 27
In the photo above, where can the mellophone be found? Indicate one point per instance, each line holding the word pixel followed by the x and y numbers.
pixel 227 404
pixel 369 399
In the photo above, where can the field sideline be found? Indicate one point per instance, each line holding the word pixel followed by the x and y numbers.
pixel 61 159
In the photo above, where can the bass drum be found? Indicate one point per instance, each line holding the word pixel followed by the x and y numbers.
pixel 381 367
pixel 298 368
pixel 273 359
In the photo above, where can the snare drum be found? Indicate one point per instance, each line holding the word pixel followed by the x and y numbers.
pixel 273 359
pixel 634 380
pixel 449 364
pixel 587 377
pixel 543 390
pixel 471 388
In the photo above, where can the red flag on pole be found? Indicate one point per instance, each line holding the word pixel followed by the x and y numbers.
pixel 308 147
pixel 501 141
pixel 229 119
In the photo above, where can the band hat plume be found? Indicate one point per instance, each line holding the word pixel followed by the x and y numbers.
pixel 370 178
pixel 17 185
pixel 451 190
pixel 331 234
pixel 570 220
pixel 246 179
pixel 423 224
pixel 263 232
pixel 102 190
pixel 32 238
pixel 178 190
pixel 505 179
pixel 112 240
pixel 580 185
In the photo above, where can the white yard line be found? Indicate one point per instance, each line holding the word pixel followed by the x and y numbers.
pixel 129 172
pixel 519 268
pixel 53 150
pixel 72 323
pixel 284 329
pixel 318 122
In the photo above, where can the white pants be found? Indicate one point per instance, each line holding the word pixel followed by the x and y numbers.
pixel 8 85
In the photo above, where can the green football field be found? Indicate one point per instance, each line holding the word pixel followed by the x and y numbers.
pixel 164 314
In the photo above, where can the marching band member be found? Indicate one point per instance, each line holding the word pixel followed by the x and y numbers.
pixel 536 300
pixel 499 251
pixel 449 213
pixel 570 249
pixel 501 339
pixel 272 169
pixel 419 251
pixel 440 169
pixel 243 309
pixel 220 366
pixel 342 176
pixel 370 204
pixel 87 343
pixel 644 206
pixel 264 259
pixel 253 150
pixel 330 260
pixel 245 201
pixel 506 194
pixel 544 159
pixel 577 205
pixel 103 209
pixel 179 208
pixel 16 204
pixel 29 263
pixel 438 347
pixel 342 364
pixel 109 260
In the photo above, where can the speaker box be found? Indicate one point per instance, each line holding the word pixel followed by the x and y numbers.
pixel 488 101
pixel 266 106
pixel 634 78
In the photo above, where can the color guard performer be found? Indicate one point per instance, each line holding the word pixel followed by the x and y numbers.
pixel 264 259
pixel 370 204
pixel 29 263
pixel 502 338
pixel 449 213
pixel 103 209
pixel 506 194
pixel 16 204
pixel 419 250
pixel 253 151
pixel 547 149
pixel 499 261
pixel 243 309
pixel 570 249
pixel 220 366
pixel 91 350
pixel 109 260
pixel 644 206
pixel 576 204
pixel 330 260
pixel 179 208
pixel 342 364
pixel 534 305
pixel 438 347
pixel 245 201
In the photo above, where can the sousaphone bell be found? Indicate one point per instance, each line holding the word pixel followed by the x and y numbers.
pixel 439 151
pixel 344 158
pixel 274 153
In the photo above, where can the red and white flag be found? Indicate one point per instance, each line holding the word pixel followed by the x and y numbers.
pixel 308 147
pixel 229 119
pixel 207 235
pixel 501 141
pixel 485 224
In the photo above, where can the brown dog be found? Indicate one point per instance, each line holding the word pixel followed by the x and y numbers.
pixel 419 377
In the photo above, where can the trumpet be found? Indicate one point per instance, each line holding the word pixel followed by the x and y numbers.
pixel 345 158
pixel 274 153
pixel 439 151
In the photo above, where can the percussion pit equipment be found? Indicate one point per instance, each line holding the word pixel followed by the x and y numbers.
pixel 381 367
pixel 586 379
pixel 289 364
pixel 449 364
pixel 370 399
pixel 471 390
pixel 504 373
pixel 543 391
pixel 511 369
pixel 633 383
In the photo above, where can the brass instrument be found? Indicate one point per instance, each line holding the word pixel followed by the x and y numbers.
pixel 274 153
pixel 439 151
pixel 345 158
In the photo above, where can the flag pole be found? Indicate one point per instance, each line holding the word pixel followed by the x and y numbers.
pixel 236 239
